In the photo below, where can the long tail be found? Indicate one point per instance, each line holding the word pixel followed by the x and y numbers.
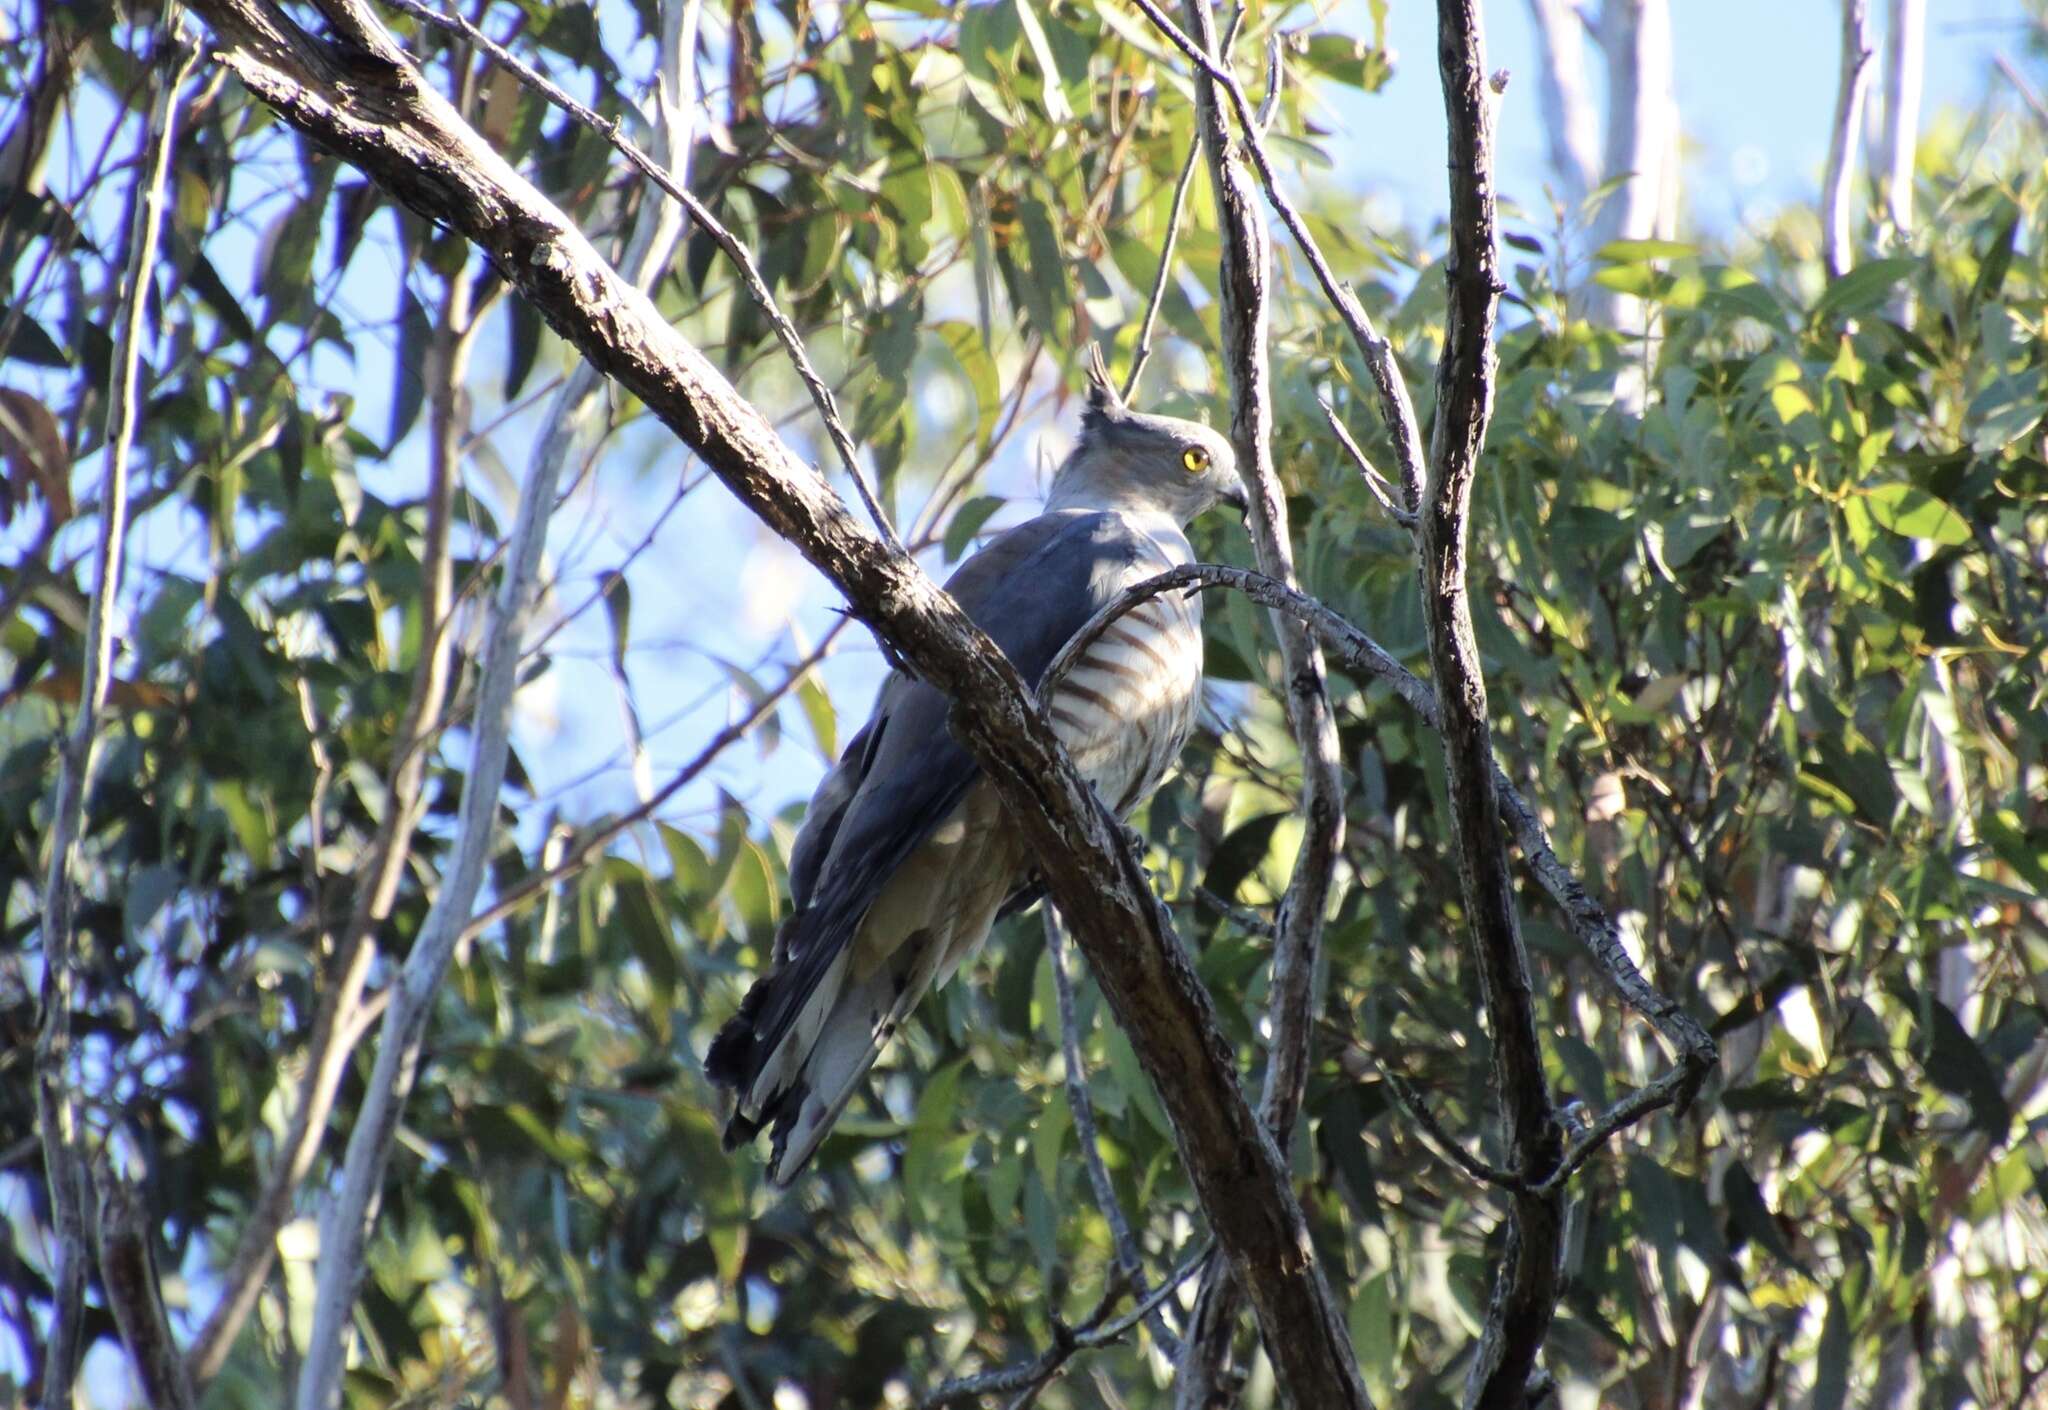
pixel 799 1083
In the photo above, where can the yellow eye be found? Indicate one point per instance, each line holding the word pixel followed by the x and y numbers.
pixel 1195 459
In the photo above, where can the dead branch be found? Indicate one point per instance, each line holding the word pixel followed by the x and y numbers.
pixel 57 1115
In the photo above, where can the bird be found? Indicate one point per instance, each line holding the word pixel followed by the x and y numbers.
pixel 905 859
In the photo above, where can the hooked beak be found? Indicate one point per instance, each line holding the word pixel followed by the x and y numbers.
pixel 1235 497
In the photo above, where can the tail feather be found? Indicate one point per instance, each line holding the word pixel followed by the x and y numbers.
pixel 863 1021
pixel 800 1086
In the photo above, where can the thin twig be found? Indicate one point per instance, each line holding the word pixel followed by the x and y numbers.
pixel 742 258
pixel 56 1102
pixel 1083 1108
pixel 1396 408
pixel 1098 1330
pixel 1242 917
pixel 1375 483
pixel 349 1219
pixel 593 841
pixel 1411 1102
pixel 2025 89
pixel 1158 296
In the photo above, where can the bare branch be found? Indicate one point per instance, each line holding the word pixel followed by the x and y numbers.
pixel 1396 409
pixel 1083 1107
pixel 1180 196
pixel 128 1277
pixel 1410 1101
pixel 377 115
pixel 1843 138
pixel 347 1222
pixel 2018 80
pixel 1030 1377
pixel 1375 483
pixel 1242 282
pixel 1526 1289
pixel 738 253
pixel 57 1113
pixel 590 843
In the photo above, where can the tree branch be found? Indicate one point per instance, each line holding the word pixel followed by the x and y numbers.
pixel 346 1225
pixel 1396 409
pixel 1843 138
pixel 376 114
pixel 590 843
pixel 1375 483
pixel 57 1114
pixel 1128 1261
pixel 1526 1290
pixel 128 1277
pixel 1180 195
pixel 743 259
pixel 1242 279
pixel 1030 1377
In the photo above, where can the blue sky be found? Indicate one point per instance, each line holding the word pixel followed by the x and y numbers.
pixel 1756 92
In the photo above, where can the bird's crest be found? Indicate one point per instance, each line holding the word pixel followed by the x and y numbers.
pixel 1105 405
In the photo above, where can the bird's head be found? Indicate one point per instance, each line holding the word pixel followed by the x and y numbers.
pixel 1130 461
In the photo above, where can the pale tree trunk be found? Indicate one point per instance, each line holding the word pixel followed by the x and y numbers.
pixel 1904 63
pixel 1641 155
pixel 1835 201
pixel 1571 129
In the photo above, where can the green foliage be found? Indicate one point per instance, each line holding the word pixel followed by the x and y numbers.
pixel 1769 656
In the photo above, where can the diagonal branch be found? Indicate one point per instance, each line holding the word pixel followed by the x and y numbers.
pixel 738 253
pixel 1129 1264
pixel 1100 1329
pixel 374 112
pixel 1180 196
pixel 1242 282
pixel 1396 408
pixel 57 1113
